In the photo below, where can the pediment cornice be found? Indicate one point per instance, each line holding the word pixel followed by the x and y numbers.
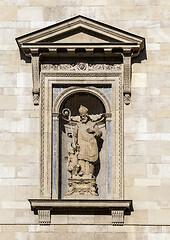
pixel 53 38
pixel 85 37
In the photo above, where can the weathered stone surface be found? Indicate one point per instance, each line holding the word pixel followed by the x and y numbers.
pixel 147 122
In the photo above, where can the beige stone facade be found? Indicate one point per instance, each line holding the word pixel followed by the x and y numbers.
pixel 146 123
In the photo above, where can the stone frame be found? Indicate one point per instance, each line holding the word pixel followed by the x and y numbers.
pixel 105 42
pixel 47 80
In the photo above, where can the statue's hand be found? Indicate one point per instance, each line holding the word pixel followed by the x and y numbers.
pixel 90 130
pixel 98 133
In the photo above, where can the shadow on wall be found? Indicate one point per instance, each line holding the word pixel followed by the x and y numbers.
pixel 23 57
pixel 142 56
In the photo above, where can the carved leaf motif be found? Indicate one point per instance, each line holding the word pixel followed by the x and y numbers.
pixel 81 66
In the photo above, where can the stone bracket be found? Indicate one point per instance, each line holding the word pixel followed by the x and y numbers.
pixel 35 78
pixel 127 72
pixel 45 207
pixel 127 55
pixel 44 217
pixel 117 217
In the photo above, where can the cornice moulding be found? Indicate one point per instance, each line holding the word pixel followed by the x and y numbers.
pixel 98 39
pixel 44 38
pixel 45 207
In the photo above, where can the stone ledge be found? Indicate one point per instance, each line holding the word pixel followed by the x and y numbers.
pixel 45 207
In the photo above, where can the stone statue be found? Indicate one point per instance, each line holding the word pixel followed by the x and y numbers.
pixel 84 152
pixel 72 163
pixel 85 139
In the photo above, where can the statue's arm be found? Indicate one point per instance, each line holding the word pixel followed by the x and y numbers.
pixel 66 116
pixel 71 120
pixel 98 132
pixel 94 130
pixel 98 118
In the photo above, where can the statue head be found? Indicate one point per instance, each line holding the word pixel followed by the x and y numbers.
pixel 83 114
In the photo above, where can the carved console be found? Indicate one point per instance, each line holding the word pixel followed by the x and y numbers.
pixel 116 208
pixel 81 62
pixel 44 216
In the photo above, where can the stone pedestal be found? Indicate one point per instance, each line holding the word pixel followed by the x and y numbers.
pixel 82 188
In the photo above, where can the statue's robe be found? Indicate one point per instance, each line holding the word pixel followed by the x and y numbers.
pixel 86 141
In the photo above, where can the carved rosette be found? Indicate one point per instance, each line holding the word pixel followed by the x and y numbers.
pixel 84 67
pixel 81 67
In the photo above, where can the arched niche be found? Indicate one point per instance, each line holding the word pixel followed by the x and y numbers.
pixel 97 103
pixel 75 90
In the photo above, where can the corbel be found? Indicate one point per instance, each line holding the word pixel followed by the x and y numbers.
pixel 117 217
pixel 35 76
pixel 46 207
pixel 127 55
pixel 44 216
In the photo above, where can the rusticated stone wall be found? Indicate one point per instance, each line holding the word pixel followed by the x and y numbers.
pixel 147 122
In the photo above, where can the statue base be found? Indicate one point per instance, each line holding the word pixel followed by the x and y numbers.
pixel 82 188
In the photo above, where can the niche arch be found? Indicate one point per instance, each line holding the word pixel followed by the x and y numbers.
pixel 74 90
pixel 72 98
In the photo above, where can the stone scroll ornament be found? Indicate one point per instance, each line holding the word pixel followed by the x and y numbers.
pixel 83 153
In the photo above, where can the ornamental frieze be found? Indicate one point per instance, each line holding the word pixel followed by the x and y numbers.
pixel 81 66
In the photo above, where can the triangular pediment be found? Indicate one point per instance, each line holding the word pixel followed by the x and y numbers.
pixel 80 30
pixel 82 38
pixel 79 35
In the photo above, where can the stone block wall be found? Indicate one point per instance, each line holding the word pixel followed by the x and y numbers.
pixel 147 122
